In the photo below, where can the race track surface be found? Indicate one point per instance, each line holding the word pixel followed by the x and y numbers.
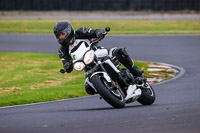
pixel 176 110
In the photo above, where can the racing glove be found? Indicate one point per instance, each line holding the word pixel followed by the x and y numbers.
pixel 100 33
pixel 68 66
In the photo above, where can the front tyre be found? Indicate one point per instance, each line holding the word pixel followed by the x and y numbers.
pixel 113 97
pixel 148 95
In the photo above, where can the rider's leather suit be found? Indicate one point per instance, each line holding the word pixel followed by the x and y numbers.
pixel 88 33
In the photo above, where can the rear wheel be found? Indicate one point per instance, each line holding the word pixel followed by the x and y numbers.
pixel 148 95
pixel 112 96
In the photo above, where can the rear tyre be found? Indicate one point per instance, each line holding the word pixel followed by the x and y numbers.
pixel 148 95
pixel 113 97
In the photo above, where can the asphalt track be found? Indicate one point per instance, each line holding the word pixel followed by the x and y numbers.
pixel 176 110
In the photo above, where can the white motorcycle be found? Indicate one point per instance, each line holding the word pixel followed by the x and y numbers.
pixel 104 76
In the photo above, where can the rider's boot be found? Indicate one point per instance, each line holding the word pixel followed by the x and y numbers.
pixel 136 71
pixel 124 58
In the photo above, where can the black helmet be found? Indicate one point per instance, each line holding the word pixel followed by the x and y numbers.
pixel 63 32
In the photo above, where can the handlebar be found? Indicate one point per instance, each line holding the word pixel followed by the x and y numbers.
pixel 62 71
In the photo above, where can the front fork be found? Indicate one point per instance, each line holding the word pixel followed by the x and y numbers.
pixel 99 66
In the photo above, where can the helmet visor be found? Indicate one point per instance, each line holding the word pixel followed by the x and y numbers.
pixel 63 34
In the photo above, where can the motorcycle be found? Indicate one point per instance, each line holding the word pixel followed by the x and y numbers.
pixel 105 77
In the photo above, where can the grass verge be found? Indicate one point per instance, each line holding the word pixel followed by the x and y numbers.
pixel 117 26
pixel 30 78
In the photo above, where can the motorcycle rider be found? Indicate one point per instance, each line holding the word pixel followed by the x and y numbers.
pixel 65 35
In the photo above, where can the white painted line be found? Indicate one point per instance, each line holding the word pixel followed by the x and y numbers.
pixel 15 106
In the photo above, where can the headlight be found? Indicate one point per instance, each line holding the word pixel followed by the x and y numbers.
pixel 79 66
pixel 89 57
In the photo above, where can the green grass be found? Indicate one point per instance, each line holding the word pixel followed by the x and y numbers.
pixel 30 78
pixel 117 26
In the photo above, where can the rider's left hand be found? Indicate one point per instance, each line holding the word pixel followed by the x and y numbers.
pixel 100 33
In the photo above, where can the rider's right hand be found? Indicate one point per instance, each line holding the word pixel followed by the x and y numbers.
pixel 68 66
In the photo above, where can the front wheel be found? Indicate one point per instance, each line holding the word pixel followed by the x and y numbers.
pixel 111 96
pixel 148 95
